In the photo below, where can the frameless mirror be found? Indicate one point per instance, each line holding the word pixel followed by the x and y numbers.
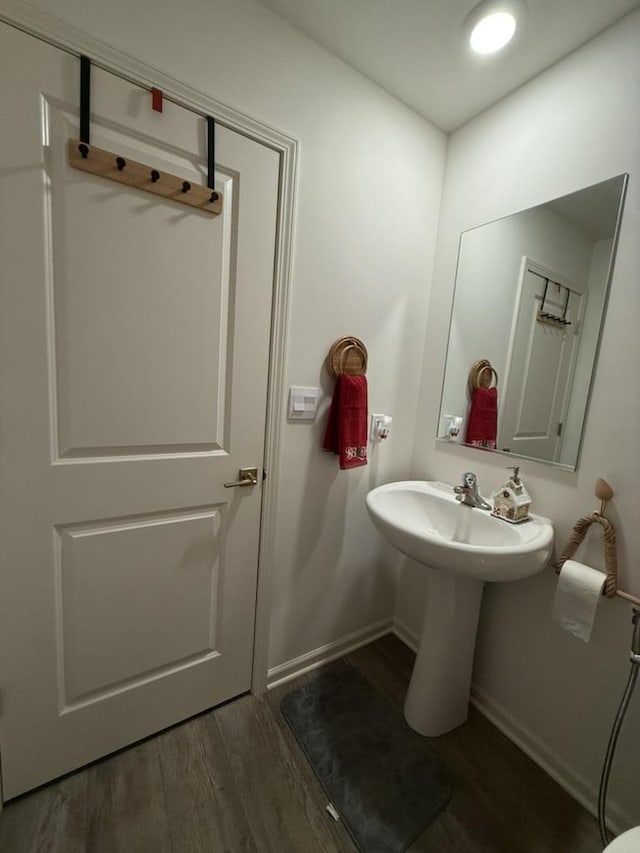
pixel 530 297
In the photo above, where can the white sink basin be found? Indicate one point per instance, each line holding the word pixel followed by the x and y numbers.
pixel 426 522
pixel 460 547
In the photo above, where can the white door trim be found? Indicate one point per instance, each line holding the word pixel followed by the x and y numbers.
pixel 68 38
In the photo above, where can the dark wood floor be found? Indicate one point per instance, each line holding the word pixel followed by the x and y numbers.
pixel 234 780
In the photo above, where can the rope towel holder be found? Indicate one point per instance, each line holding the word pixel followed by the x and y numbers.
pixel 604 492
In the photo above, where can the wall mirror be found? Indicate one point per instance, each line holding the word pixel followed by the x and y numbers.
pixel 529 303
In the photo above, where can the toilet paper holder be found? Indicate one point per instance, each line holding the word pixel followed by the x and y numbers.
pixel 604 493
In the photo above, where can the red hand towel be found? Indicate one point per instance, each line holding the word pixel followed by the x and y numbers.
pixel 482 428
pixel 347 426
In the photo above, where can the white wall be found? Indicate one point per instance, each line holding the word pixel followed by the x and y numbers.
pixel 368 202
pixel 557 694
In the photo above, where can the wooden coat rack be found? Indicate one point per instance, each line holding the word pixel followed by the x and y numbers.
pixel 106 164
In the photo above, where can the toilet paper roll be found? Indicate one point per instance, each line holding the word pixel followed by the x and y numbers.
pixel 577 596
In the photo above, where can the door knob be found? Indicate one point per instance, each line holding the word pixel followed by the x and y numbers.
pixel 246 477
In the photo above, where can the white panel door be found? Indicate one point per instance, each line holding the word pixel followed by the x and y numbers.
pixel 134 344
pixel 540 372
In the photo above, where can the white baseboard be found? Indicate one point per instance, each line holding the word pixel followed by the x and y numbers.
pixel 317 657
pixel 406 634
pixel 574 783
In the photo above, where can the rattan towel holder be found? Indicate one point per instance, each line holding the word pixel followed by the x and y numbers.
pixel 347 355
pixel 604 493
pixel 481 375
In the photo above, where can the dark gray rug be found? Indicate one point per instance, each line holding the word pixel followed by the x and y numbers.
pixel 375 770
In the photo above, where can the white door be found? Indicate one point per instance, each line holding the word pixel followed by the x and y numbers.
pixel 134 344
pixel 540 373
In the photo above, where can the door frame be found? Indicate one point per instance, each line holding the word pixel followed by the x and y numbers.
pixel 71 40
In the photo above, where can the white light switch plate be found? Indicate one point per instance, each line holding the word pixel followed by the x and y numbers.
pixel 303 403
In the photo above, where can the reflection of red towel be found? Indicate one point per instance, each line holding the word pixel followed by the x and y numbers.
pixel 482 427
pixel 347 426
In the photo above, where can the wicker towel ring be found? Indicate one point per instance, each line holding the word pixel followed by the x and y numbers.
pixel 610 553
pixel 481 375
pixel 347 355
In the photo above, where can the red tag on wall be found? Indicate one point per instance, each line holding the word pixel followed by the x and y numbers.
pixel 156 99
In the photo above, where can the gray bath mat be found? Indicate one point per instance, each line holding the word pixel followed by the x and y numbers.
pixel 375 770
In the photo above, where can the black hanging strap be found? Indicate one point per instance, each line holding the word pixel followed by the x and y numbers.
pixel 566 306
pixel 211 152
pixel 85 98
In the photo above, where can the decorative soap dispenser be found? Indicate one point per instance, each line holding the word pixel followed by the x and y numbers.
pixel 511 502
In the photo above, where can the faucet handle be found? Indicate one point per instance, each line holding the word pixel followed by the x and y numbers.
pixel 469 489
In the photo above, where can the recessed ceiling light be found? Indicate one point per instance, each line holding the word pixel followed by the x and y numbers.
pixel 493 32
pixel 491 25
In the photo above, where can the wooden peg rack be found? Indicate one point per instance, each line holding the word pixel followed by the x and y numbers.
pixel 103 163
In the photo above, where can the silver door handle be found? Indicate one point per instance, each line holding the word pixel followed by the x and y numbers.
pixel 246 477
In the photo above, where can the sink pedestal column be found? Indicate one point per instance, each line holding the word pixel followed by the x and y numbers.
pixel 438 696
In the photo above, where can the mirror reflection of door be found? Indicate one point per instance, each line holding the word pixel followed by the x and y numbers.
pixel 541 365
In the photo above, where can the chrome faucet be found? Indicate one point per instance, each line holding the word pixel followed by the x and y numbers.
pixel 468 493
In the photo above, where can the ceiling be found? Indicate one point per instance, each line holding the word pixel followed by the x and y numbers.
pixel 416 51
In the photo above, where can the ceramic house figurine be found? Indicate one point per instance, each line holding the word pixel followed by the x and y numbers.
pixel 511 502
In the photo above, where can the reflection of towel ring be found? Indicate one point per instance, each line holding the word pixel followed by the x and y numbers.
pixel 481 375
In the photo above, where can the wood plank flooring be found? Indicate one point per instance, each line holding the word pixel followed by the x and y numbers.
pixel 234 780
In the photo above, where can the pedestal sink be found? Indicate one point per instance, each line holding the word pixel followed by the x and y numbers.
pixel 461 548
